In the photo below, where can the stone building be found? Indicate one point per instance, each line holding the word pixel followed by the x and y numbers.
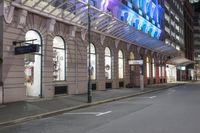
pixel 121 32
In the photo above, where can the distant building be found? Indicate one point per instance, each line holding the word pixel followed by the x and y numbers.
pixel 189 45
pixel 196 39
pixel 174 36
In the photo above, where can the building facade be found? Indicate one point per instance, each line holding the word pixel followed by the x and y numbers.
pixel 121 31
pixel 189 45
pixel 196 23
pixel 174 36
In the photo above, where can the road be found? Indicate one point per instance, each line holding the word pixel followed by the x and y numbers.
pixel 176 110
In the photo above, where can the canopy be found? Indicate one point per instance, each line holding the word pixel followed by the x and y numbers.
pixel 75 12
pixel 180 61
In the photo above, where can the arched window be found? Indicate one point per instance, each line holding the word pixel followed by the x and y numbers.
pixel 59 59
pixel 92 61
pixel 160 71
pixel 33 65
pixel 148 67
pixel 153 68
pixel 108 63
pixel 163 70
pixel 121 64
pixel 132 57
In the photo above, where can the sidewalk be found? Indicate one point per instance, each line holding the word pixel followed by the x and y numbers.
pixel 13 113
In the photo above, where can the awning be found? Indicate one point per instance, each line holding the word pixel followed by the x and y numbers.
pixel 75 12
pixel 180 61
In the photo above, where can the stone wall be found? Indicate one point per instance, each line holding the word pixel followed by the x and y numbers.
pixel 76 61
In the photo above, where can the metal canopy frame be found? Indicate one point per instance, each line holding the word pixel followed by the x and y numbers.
pixel 75 12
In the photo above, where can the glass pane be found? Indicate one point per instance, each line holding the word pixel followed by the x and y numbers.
pixel 93 66
pixel 159 71
pixel 121 68
pixel 120 54
pixel 163 71
pixel 132 57
pixel 148 75
pixel 107 51
pixel 30 35
pixel 58 64
pixel 58 42
pixel 108 67
pixel 92 49
pixel 148 67
pixel 153 68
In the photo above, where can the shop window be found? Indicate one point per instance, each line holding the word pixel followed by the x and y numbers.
pixel 92 53
pixel 147 67
pixel 33 65
pixel 59 59
pixel 159 71
pixel 163 71
pixel 132 57
pixel 108 63
pixel 121 64
pixel 153 68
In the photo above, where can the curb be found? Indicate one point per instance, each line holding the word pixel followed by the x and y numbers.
pixel 57 112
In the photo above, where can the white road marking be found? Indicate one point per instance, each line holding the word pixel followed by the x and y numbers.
pixel 152 97
pixel 83 113
pixel 100 114
pixel 89 113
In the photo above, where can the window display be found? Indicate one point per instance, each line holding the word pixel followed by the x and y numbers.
pixel 92 61
pixel 108 63
pixel 153 68
pixel 32 66
pixel 58 59
pixel 148 67
pixel 163 71
pixel 121 64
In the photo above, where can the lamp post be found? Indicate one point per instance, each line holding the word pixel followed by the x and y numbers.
pixel 89 62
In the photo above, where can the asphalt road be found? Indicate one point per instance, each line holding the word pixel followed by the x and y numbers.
pixel 176 110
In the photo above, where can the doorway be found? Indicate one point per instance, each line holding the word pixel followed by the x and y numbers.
pixel 33 66
pixel 132 74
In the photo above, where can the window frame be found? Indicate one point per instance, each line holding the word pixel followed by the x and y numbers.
pixel 65 57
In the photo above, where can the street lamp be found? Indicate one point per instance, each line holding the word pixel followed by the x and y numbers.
pixel 89 93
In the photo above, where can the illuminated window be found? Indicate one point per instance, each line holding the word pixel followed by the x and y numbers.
pixel 163 71
pixel 148 67
pixel 59 58
pixel 33 65
pixel 167 5
pixel 172 22
pixel 108 63
pixel 167 30
pixel 167 17
pixel 177 27
pixel 153 68
pixel 92 61
pixel 121 64
pixel 132 57
pixel 160 69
